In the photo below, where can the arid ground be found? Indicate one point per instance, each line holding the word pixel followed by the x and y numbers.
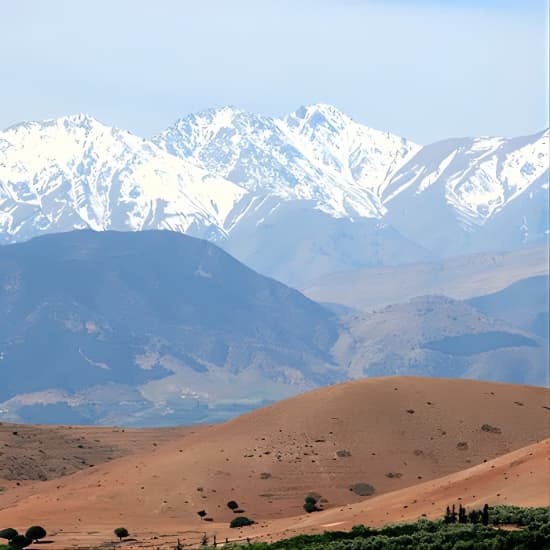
pixel 374 451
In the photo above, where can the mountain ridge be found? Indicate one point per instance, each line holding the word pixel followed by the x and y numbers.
pixel 159 328
pixel 236 177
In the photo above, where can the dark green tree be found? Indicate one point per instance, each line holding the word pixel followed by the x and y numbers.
pixel 474 516
pixel 462 517
pixel 232 505
pixel 8 533
pixel 20 541
pixel 448 518
pixel 35 533
pixel 121 532
pixel 453 514
pixel 310 504
pixel 240 521
pixel 485 515
pixel 201 514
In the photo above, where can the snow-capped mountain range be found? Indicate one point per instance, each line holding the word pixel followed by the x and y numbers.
pixel 294 197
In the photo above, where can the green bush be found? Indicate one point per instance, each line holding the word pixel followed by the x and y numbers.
pixel 8 533
pixel 232 505
pixel 121 532
pixel 20 541
pixel 36 532
pixel 240 521
pixel 310 504
pixel 434 535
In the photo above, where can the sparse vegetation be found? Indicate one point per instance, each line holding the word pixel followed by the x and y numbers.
pixel 491 429
pixel 36 532
pixel 19 541
pixel 240 521
pixel 8 533
pixel 310 504
pixel 343 453
pixel 232 505
pixel 121 532
pixel 362 489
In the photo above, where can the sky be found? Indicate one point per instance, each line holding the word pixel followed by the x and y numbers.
pixel 423 69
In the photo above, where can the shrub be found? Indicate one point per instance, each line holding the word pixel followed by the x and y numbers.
pixel 121 532
pixel 201 514
pixel 20 541
pixel 310 504
pixel 232 505
pixel 343 453
pixel 362 489
pixel 8 533
pixel 35 532
pixel 491 429
pixel 240 521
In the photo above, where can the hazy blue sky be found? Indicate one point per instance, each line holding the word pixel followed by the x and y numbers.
pixel 425 69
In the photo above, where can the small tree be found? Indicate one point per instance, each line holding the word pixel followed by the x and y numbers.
pixel 485 515
pixel 474 516
pixel 201 514
pixel 462 518
pixel 448 516
pixel 240 521
pixel 121 532
pixel 232 505
pixel 310 504
pixel 20 541
pixel 35 533
pixel 8 533
pixel 453 514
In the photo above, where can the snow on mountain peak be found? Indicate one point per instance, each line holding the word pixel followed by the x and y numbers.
pixel 317 114
pixel 225 168
pixel 75 172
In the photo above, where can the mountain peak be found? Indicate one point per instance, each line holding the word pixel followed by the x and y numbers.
pixel 225 114
pixel 323 108
pixel 223 172
pixel 318 114
pixel 83 121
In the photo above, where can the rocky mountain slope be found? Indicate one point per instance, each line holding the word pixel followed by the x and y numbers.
pixel 158 328
pixel 298 197
pixel 439 336
pixel 523 304
pixel 140 327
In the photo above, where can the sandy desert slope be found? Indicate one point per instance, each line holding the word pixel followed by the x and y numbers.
pixel 41 452
pixel 375 435
pixel 518 478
